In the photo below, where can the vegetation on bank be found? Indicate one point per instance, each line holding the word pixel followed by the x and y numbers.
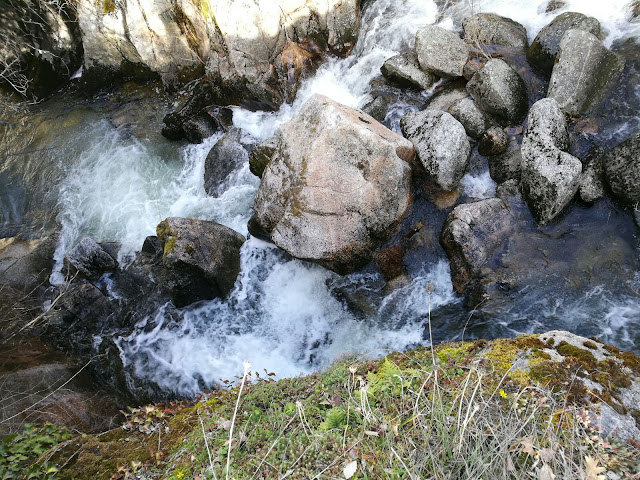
pixel 502 409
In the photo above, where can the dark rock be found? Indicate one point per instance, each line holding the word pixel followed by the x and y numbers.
pixel 499 91
pixel 622 170
pixel 582 71
pixel 88 304
pixel 89 260
pixel 191 117
pixel 471 234
pixel 494 142
pixel 225 156
pixel 633 11
pixel 474 64
pixel 441 144
pixel 441 52
pixel 390 262
pixel 550 176
pixel 544 49
pixel 377 108
pixel 405 70
pixel 202 259
pixel 506 166
pixel 492 29
pixel 151 246
pixel 474 120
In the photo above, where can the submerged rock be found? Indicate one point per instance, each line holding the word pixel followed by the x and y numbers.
pixel 89 260
pixel 550 176
pixel 191 120
pixel 471 234
pixel 622 170
pixel 506 166
pixel 544 49
pixel 201 258
pixel 390 262
pixel 405 70
pixel 441 52
pixel 336 183
pixel 498 90
pixel 492 29
pixel 582 71
pixel 441 144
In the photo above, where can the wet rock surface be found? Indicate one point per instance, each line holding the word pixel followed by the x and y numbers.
pixel 89 260
pixel 622 170
pixel 222 160
pixel 474 120
pixel 405 70
pixel 490 28
pixel 441 52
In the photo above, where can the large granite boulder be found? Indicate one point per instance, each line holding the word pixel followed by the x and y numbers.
pixel 201 258
pixel 405 70
pixel 225 156
pixel 252 50
pixel 622 170
pixel 441 144
pixel 493 29
pixel 544 49
pixel 441 52
pixel 337 181
pixel 498 90
pixel 550 176
pixel 582 71
pixel 474 120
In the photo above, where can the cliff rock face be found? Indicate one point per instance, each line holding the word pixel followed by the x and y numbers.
pixel 257 50
pixel 336 182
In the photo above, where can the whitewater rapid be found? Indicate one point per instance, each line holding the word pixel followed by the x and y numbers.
pixel 285 315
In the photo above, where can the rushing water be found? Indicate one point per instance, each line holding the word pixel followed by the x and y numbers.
pixel 289 316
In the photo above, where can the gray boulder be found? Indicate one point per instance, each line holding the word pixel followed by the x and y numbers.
pixel 260 157
pixel 225 156
pixel 89 260
pixel 26 265
pixel 404 70
pixel 550 176
pixel 492 29
pixel 582 71
pixel 377 108
pixel 506 166
pixel 474 120
pixel 622 170
pixel 471 234
pixel 498 90
pixel 446 97
pixel 201 259
pixel 441 144
pixel 441 52
pixel 544 49
pixel 337 181
pixel 592 181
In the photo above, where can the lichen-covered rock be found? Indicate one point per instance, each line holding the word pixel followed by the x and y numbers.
pixel 404 70
pixel 260 157
pixel 550 176
pixel 377 108
pixel 544 49
pixel 493 29
pixel 441 144
pixel 252 50
pixel 591 181
pixel 444 98
pixel 474 120
pixel 582 71
pixel 337 181
pixel 498 90
pixel 222 159
pixel 89 260
pixel 493 142
pixel 441 52
pixel 470 235
pixel 622 170
pixel 201 258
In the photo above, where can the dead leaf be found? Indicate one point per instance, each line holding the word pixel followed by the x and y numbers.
pixel 592 469
pixel 545 473
pixel 525 445
pixel 547 454
pixel 510 466
pixel 350 470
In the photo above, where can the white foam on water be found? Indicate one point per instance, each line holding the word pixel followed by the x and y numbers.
pixel 119 189
pixel 478 186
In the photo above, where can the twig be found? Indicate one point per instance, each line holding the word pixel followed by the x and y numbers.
pixel 247 365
